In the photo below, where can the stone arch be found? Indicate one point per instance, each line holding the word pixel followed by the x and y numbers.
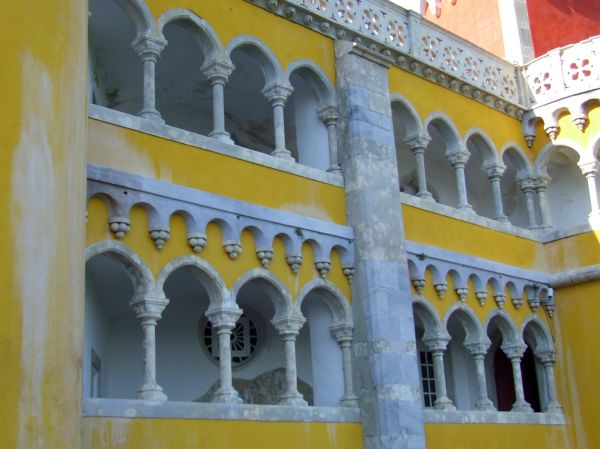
pixel 138 272
pixel 543 157
pixel 447 129
pixel 204 34
pixel 536 333
pixel 467 318
pixel 519 159
pixel 506 326
pixel 409 114
pixel 336 301
pixel 267 61
pixel 484 144
pixel 140 15
pixel 315 76
pixel 209 277
pixel 277 292
pixel 429 317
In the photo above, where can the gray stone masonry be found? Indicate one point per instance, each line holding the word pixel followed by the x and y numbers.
pixel 385 358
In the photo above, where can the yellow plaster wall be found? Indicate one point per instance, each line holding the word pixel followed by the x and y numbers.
pixel 42 155
pixel 578 315
pixel 495 436
pixel 122 433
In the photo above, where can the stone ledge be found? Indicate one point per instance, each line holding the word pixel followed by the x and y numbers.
pixel 209 144
pixel 129 408
pixel 476 417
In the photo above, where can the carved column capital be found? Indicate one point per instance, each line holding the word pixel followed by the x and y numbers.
pixel 418 142
pixel 478 348
pixel 541 183
pixel 547 357
pixel 494 171
pixel 289 326
pixel 436 344
pixel 514 350
pixel 342 333
pixel 218 71
pixel 224 317
pixel 526 184
pixel 278 93
pixel 458 159
pixel 148 308
pixel 149 48
pixel 589 168
pixel 328 114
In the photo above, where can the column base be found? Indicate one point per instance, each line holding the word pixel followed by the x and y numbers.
pixel 544 228
pixel 521 407
pixel 426 196
pixel 283 154
pixel 153 115
pixel 294 399
pixel 444 403
pixel 151 393
pixel 485 405
pixel 227 396
pixel 502 219
pixel 554 407
pixel 335 169
pixel 466 208
pixel 223 136
pixel 349 401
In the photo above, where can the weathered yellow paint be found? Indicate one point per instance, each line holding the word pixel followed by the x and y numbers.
pixel 139 240
pixel 495 436
pixel 287 40
pixel 122 433
pixel 577 251
pixel 169 161
pixel 579 361
pixel 42 155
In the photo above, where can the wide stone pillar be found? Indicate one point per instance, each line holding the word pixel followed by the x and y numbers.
pixel 223 320
pixel 385 363
pixel 149 311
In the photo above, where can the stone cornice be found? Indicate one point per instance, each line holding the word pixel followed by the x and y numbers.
pixel 402 38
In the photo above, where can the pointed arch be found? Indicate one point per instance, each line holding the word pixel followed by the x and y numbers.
pixel 447 129
pixel 334 299
pixel 517 156
pixel 266 59
pixel 315 77
pixel 429 317
pixel 506 326
pixel 484 144
pixel 410 117
pixel 536 333
pixel 467 318
pixel 140 15
pixel 276 291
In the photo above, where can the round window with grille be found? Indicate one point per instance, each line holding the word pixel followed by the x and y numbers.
pixel 244 340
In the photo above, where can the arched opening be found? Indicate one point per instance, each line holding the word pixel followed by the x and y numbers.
pixel 262 380
pixel 183 92
pixel 112 353
pixel 326 356
pixel 459 363
pixel 248 114
pixel 115 71
pixel 306 134
pixel 568 195
pixel 424 326
pixel 513 197
pixel 405 126
pixel 439 170
pixel 538 389
pixel 479 188
pixel 185 368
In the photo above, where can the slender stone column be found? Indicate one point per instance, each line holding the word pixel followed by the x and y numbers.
pixel 515 352
pixel 527 186
pixel 417 145
pixel 329 116
pixel 494 174
pixel 590 171
pixel 548 359
pixel 218 72
pixel 541 188
pixel 149 48
pixel 223 320
pixel 385 357
pixel 437 347
pixel 149 311
pixel 458 160
pixel 343 335
pixel 478 350
pixel 288 328
pixel 277 94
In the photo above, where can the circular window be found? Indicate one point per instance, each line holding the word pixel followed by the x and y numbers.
pixel 244 339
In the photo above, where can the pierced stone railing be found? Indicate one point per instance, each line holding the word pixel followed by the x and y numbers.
pixel 403 36
pixel 564 72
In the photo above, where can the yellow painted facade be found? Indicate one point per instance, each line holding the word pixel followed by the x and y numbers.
pixel 47 139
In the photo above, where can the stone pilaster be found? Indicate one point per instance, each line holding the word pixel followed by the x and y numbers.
pixel 385 363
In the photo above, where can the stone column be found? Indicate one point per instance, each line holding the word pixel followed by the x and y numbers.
pixel 437 347
pixel 223 320
pixel 541 188
pixel 478 350
pixel 515 352
pixel 288 329
pixel 343 335
pixel 548 359
pixel 329 116
pixel 277 94
pixel 385 363
pixel 458 160
pixel 527 186
pixel 149 311
pixel 590 171
pixel 417 145
pixel 218 73
pixel 149 48
pixel 494 174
